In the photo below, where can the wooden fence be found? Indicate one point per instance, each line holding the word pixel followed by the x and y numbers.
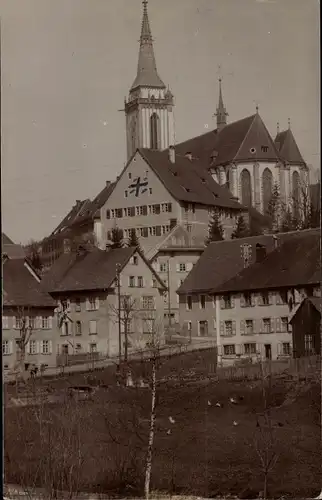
pixel 301 368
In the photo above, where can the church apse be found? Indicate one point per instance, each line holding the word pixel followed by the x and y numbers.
pixel 246 188
pixel 267 187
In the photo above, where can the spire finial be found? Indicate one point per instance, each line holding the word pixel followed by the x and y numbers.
pixel 278 127
pixel 289 123
pixel 221 112
pixel 257 108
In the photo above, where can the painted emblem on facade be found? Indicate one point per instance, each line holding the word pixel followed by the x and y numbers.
pixel 138 187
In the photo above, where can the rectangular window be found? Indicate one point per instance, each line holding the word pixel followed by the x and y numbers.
pixel 17 323
pixel 247 299
pixel 93 327
pixel 228 327
pixel 148 302
pixel 267 326
pixel 226 302
pixel 182 267
pixel 286 349
pixel 249 323
pixel 203 328
pixel 202 301
pixel 264 299
pixel 108 214
pixel 5 348
pixel 140 281
pixel 281 297
pixel 119 213
pixel 152 231
pixel 32 322
pixel 163 267
pixel 229 350
pixel 250 348
pixel 45 323
pixel 45 347
pixel 93 304
pixel 5 322
pixel 132 281
pixel 189 302
pixel 78 305
pixel 154 283
pixel 92 347
pixel 113 213
pixel 78 328
pixel 125 194
pixel 32 347
pixel 144 210
pixel 284 324
pixel 156 209
pixel 308 344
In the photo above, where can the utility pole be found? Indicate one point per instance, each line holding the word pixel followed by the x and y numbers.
pixel 119 312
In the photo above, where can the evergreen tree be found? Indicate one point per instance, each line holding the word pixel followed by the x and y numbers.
pixel 117 238
pixel 215 229
pixel 133 240
pixel 241 230
pixel 274 209
pixel 288 223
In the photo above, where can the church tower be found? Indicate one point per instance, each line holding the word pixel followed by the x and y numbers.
pixel 149 108
pixel 221 112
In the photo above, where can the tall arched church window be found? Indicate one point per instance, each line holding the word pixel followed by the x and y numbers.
pixel 267 186
pixel 246 188
pixel 296 193
pixel 155 131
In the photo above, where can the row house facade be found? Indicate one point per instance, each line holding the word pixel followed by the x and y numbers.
pixel 91 304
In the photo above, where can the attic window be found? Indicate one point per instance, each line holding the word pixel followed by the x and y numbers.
pixel 174 173
pixel 252 151
pixel 264 149
pixel 186 189
pixel 203 181
pixel 130 175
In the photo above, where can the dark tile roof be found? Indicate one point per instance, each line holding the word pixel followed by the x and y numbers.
pixel 11 249
pixel 296 262
pixel 21 288
pixel 287 147
pixel 93 270
pixel 72 216
pixel 6 240
pixel 222 260
pixel 233 143
pixel 188 180
pixel 317 303
pixel 98 202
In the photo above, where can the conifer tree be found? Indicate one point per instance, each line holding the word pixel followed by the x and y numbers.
pixel 274 209
pixel 117 238
pixel 241 230
pixel 133 240
pixel 215 229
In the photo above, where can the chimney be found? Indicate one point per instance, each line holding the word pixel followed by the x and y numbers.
pixel 108 183
pixel 172 154
pixel 78 202
pixel 260 252
pixel 189 155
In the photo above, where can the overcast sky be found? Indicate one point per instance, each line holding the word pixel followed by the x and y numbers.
pixel 67 65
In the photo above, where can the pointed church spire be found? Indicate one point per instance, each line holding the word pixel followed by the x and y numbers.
pixel 221 112
pixel 278 127
pixel 289 123
pixel 147 75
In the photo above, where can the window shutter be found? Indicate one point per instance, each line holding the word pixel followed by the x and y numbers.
pixel 260 299
pixel 232 300
pixel 273 325
pixel 215 326
pixel 278 299
pixel 87 305
pixel 242 327
pixel 38 322
pixel 234 327
pixel 27 321
pixel 271 298
pixel 50 347
pixel 15 322
pixel 10 347
pixel 278 324
pixel 222 328
pixel 158 230
pixel 253 299
pixel 68 305
pixel 289 327
pixel 108 214
pixel 189 266
pixel 242 300
pixel 178 267
pixel 145 210
pixel 41 347
pixel 50 322
pixel 97 301
pixel 222 303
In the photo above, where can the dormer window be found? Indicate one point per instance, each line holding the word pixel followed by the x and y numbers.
pixel 264 149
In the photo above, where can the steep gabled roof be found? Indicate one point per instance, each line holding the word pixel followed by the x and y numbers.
pixel 295 263
pixel 21 288
pixel 11 249
pixel 76 211
pixel 235 142
pixel 222 260
pixel 6 240
pixel 188 180
pixel 287 147
pixel 90 270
